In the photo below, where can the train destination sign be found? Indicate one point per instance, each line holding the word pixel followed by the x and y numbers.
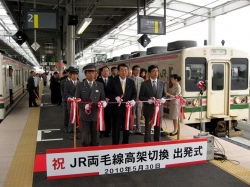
pixel 151 25
pixel 41 19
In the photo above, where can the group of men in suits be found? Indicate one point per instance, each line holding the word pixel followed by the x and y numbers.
pixel 116 90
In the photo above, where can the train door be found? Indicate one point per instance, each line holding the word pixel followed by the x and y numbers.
pixel 218 89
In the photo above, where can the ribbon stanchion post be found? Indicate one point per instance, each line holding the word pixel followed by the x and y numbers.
pixel 74 115
pixel 129 116
pixel 100 124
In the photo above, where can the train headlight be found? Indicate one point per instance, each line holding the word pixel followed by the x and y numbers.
pixel 196 102
pixel 188 102
pixel 237 100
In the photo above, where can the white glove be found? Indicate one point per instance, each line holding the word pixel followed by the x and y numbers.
pixel 104 103
pixel 133 102
pixel 163 100
pixel 86 106
pixel 118 99
pixel 151 101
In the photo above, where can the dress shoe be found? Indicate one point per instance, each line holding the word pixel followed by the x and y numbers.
pixel 139 133
pixel 163 134
pixel 173 134
pixel 106 135
pixel 131 132
pixel 70 131
pixel 101 135
pixel 36 105
pixel 65 130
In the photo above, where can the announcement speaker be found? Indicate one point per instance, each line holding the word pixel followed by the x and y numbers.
pixel 20 37
pixel 72 20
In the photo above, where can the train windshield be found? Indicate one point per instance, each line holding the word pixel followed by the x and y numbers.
pixel 195 70
pixel 239 73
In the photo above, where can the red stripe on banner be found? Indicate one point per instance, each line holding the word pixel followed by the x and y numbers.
pixel 92 148
pixel 40 163
pixel 73 175
pixel 186 164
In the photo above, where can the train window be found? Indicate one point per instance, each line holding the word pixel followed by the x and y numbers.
pixel 218 77
pixel 195 70
pixel 239 73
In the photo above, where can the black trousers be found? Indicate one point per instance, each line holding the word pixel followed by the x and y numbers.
pixel 89 133
pixel 32 98
pixel 117 123
pixel 11 96
pixel 157 129
pixel 65 116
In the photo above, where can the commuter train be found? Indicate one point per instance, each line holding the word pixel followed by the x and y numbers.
pixel 224 70
pixel 20 75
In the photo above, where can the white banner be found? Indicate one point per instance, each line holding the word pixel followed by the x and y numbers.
pixel 100 160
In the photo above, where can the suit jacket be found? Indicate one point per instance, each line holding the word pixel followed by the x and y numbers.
pixel 115 89
pixel 105 87
pixel 87 94
pixel 31 84
pixel 146 92
pixel 69 91
pixel 63 81
pixel 137 86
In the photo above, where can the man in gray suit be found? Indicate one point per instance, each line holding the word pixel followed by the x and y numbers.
pixel 89 91
pixel 69 92
pixel 153 88
pixel 138 106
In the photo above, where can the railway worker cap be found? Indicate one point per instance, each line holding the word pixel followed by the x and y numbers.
pixel 89 68
pixel 74 71
pixel 65 71
pixel 70 67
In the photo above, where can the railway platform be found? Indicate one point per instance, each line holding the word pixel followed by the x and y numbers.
pixel 26 133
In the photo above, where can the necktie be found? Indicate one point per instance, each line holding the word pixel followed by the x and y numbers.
pixel 154 88
pixel 90 84
pixel 123 86
pixel 136 82
pixel 75 83
pixel 105 82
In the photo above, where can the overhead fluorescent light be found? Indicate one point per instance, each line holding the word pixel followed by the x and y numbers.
pixel 84 24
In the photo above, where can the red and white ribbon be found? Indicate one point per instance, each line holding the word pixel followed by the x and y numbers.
pixel 156 119
pixel 37 97
pixel 100 123
pixel 120 101
pixel 74 112
pixel 88 110
pixel 181 103
pixel 129 116
pixel 201 85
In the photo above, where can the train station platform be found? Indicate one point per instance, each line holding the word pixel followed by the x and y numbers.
pixel 26 133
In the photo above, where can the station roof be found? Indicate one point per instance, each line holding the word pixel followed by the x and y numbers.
pixel 112 20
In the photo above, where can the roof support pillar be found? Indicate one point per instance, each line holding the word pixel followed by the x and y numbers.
pixel 211 30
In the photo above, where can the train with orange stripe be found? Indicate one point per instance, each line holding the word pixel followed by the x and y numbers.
pixel 225 71
pixel 20 75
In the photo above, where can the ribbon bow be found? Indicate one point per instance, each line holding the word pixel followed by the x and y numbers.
pixel 74 112
pixel 88 110
pixel 201 85
pixel 129 116
pixel 100 117
pixel 157 113
pixel 120 102
pixel 181 103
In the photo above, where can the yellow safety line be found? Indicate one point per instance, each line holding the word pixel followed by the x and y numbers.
pixel 20 173
pixel 235 170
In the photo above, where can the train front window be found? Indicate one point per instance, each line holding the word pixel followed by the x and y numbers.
pixel 195 70
pixel 239 73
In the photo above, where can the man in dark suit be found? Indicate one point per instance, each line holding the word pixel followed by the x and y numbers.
pixel 107 117
pixel 64 79
pixel 89 91
pixel 31 89
pixel 54 88
pixel 120 86
pixel 69 92
pixel 114 72
pixel 152 88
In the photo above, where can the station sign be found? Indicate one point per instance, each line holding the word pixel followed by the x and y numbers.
pixel 41 19
pixel 112 159
pixel 151 25
pixel 48 63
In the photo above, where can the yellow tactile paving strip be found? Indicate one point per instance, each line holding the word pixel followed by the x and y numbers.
pixel 20 173
pixel 235 170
